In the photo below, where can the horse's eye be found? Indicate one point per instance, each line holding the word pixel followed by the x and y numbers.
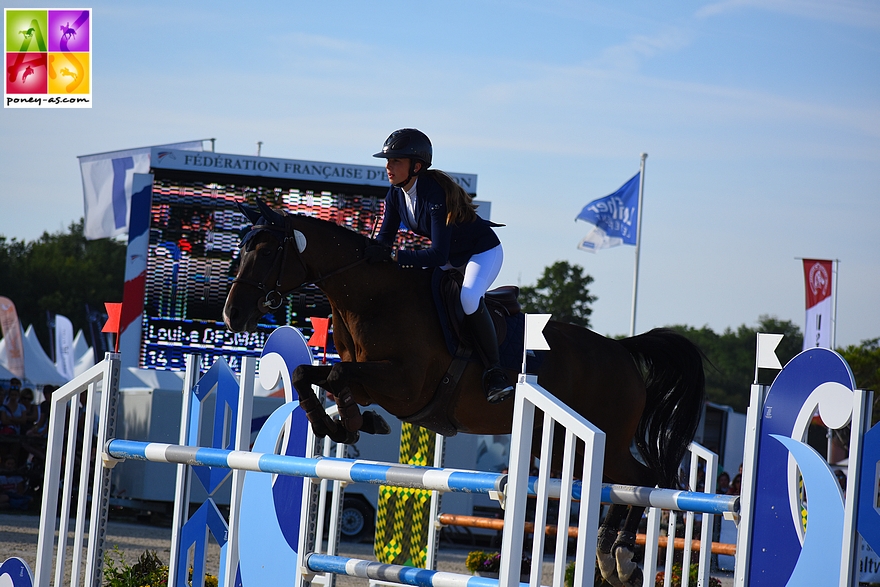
pixel 266 251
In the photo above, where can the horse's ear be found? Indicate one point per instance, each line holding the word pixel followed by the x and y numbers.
pixel 250 213
pixel 269 214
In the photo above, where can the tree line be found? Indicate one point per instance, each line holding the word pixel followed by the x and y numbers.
pixel 60 273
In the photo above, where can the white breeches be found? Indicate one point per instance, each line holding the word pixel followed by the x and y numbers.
pixel 479 274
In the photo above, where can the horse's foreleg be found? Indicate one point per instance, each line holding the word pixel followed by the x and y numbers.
pixel 303 378
pixel 373 374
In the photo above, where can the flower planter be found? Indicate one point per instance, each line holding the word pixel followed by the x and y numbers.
pixel 524 578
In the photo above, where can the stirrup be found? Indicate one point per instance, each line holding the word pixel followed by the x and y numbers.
pixel 497 387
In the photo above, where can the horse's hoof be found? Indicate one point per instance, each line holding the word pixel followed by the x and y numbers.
pixel 623 552
pixel 320 430
pixel 374 424
pixel 344 436
pixel 627 569
pixel 636 579
pixel 608 568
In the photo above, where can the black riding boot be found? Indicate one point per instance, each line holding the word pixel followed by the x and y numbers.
pixel 482 330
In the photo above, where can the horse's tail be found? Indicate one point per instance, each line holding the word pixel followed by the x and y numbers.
pixel 673 370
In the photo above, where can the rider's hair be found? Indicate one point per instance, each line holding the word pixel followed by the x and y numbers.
pixel 459 203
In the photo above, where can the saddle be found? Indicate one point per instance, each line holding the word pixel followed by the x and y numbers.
pixel 501 303
pixel 437 415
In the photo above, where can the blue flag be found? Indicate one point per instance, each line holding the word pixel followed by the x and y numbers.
pixel 615 218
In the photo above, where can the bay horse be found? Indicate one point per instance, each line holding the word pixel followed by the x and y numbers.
pixel 647 389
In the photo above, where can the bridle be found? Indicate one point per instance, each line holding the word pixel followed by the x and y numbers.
pixel 274 297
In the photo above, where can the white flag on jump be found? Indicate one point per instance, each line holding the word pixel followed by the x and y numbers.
pixel 535 324
pixel 767 344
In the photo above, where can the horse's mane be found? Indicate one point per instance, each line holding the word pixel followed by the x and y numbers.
pixel 326 224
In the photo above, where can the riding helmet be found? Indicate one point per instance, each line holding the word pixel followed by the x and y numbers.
pixel 408 143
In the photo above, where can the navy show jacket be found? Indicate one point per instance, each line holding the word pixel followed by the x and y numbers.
pixel 454 244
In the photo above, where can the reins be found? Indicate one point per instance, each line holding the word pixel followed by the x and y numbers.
pixel 274 297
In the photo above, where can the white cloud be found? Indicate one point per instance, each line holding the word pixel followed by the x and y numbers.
pixel 856 13
pixel 629 55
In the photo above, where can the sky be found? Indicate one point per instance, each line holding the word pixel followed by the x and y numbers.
pixel 760 118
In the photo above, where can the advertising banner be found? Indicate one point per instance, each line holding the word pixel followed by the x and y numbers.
pixel 817 283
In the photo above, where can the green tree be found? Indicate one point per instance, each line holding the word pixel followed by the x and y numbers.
pixel 561 291
pixel 730 367
pixel 864 360
pixel 60 273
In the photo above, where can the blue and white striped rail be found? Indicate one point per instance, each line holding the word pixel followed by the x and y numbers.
pixel 447 480
pixel 327 468
pixel 352 567
pixel 667 499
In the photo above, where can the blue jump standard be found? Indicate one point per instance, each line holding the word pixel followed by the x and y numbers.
pixel 352 567
pixel 397 475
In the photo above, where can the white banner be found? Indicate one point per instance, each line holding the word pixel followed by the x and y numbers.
pixel 286 168
pixel 64 359
pixel 818 330
pixel 107 180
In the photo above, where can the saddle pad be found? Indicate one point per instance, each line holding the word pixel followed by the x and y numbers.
pixel 446 288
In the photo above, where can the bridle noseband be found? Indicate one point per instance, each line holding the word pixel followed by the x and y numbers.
pixel 274 297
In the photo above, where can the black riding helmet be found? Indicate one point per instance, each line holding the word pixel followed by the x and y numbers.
pixel 408 143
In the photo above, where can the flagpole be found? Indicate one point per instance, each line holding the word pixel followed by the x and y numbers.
pixel 836 276
pixel 632 322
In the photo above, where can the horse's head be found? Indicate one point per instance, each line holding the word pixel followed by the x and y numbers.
pixel 265 272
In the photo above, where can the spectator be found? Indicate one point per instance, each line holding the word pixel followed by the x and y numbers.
pixel 841 479
pixel 30 410
pixel 735 485
pixel 12 413
pixel 14 383
pixel 13 486
pixel 723 485
pixel 41 427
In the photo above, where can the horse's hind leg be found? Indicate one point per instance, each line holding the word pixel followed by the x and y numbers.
pixel 628 572
pixel 616 546
pixel 607 535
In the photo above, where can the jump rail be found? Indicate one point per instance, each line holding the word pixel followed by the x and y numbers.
pixel 334 469
pixel 435 479
pixel 551 530
pixel 352 567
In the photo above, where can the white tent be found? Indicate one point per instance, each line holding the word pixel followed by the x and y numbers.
pixel 39 369
pixel 80 346
pixel 5 374
pixel 83 354
pixel 84 363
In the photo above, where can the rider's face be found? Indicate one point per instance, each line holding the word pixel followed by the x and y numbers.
pixel 398 169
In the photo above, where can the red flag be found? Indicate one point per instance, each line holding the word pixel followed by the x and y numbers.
pixel 321 328
pixel 114 313
pixel 817 283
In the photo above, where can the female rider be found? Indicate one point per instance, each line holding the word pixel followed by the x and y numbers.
pixel 431 204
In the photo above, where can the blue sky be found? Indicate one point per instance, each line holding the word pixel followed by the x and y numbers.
pixel 761 120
